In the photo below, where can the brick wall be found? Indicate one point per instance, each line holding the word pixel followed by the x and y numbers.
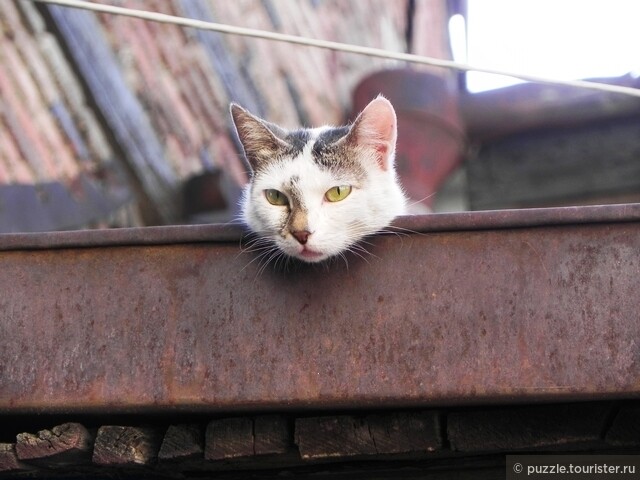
pixel 163 91
pixel 47 130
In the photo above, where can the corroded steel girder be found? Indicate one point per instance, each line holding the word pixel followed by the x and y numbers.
pixel 486 307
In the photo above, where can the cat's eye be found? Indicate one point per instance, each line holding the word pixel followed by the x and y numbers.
pixel 338 193
pixel 276 197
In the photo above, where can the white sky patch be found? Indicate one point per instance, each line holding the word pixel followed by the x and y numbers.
pixel 562 39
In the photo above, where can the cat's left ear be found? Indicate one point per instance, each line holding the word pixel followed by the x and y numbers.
pixel 376 129
pixel 258 138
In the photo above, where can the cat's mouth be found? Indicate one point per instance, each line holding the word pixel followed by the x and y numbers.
pixel 310 255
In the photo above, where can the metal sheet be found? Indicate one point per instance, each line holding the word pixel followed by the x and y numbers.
pixel 484 309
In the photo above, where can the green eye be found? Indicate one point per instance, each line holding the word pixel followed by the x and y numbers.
pixel 338 193
pixel 276 197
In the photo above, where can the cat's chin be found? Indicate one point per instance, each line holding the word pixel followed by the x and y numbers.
pixel 311 256
pixel 305 254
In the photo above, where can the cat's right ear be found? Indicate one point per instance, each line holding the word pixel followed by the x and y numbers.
pixel 375 129
pixel 258 141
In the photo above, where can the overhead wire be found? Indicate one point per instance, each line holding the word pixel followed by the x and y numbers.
pixel 335 46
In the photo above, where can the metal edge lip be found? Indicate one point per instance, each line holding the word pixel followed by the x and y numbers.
pixel 140 236
pixel 228 233
pixel 518 218
pixel 301 406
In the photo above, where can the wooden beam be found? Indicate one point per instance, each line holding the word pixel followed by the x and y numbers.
pixel 125 446
pixel 69 443
pixel 182 442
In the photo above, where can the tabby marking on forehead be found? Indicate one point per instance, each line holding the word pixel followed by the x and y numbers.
pixel 296 141
pixel 329 152
pixel 328 138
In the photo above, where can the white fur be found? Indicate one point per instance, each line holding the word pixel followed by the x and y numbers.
pixel 334 226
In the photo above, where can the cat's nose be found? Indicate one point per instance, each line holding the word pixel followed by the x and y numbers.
pixel 301 235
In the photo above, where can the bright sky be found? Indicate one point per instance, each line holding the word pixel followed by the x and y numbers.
pixel 566 39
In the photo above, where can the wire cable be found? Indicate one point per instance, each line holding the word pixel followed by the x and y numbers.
pixel 336 46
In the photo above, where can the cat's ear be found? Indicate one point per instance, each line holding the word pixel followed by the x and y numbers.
pixel 375 129
pixel 257 137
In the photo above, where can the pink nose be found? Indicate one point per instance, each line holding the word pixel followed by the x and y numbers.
pixel 301 235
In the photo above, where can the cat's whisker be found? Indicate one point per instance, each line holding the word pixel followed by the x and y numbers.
pixel 401 234
pixel 364 250
pixel 274 256
pixel 281 257
pixel 417 202
pixel 263 260
pixel 366 242
pixel 325 266
pixel 285 261
pixel 256 241
pixel 259 257
pixel 258 248
pixel 234 221
pixel 344 259
pixel 359 250
pixel 271 255
pixel 256 258
pixel 260 245
pixel 400 231
pixel 356 253
pixel 265 254
pixel 386 231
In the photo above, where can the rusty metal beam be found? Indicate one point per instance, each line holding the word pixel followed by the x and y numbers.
pixel 538 305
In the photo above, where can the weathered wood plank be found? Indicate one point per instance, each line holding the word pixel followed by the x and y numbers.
pixel 126 446
pixel 273 434
pixel 327 437
pixel 182 442
pixel 69 443
pixel 380 434
pixel 405 432
pixel 229 438
pixel 625 428
pixel 122 110
pixel 388 444
pixel 9 459
pixel 533 427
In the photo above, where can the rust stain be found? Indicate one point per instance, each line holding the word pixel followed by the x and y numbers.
pixel 485 309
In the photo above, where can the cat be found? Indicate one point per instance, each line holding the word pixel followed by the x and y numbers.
pixel 315 193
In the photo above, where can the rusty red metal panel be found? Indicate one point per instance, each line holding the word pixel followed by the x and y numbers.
pixel 476 308
pixel 431 136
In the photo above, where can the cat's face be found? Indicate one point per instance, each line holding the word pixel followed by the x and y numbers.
pixel 315 193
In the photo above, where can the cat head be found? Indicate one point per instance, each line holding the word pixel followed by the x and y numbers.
pixel 315 193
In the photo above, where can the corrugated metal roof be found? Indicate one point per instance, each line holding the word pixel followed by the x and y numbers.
pixel 57 169
pixel 164 91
